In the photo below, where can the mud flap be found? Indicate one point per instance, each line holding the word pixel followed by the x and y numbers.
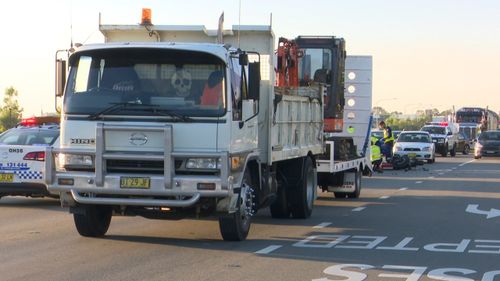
pixel 228 204
pixel 349 184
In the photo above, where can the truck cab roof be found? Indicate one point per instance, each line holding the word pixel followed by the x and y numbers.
pixel 219 50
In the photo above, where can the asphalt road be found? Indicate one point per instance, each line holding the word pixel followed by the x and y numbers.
pixel 437 222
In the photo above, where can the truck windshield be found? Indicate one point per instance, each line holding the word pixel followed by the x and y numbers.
pixel 185 83
pixel 469 117
pixel 315 65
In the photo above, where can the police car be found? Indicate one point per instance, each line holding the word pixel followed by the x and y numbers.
pixel 22 156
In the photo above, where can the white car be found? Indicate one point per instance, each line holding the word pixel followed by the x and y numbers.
pixel 22 158
pixel 416 144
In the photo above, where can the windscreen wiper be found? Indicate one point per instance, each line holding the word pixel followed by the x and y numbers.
pixel 139 107
pixel 170 113
pixel 113 107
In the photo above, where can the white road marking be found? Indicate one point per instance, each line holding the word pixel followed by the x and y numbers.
pixel 461 165
pixel 384 197
pixel 322 225
pixel 268 249
pixel 454 168
pixel 474 209
pixel 419 182
pixel 358 209
pixel 403 188
pixel 431 177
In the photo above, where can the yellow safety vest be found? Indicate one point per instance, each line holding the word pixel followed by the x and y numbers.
pixel 388 138
pixel 376 154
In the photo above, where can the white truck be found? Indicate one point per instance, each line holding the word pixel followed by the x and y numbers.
pixel 167 130
pixel 343 176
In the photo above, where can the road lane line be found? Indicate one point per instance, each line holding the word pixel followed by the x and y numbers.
pixel 384 197
pixel 322 225
pixel 431 177
pixel 419 182
pixel 268 249
pixel 463 164
pixel 403 188
pixel 358 209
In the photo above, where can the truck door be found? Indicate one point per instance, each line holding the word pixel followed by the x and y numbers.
pixel 244 127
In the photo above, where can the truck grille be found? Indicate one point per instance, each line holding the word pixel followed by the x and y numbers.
pixel 132 166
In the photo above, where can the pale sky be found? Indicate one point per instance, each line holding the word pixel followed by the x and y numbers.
pixel 426 53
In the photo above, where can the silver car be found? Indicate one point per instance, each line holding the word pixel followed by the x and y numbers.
pixel 416 144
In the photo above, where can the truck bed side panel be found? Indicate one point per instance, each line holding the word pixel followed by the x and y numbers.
pixel 297 123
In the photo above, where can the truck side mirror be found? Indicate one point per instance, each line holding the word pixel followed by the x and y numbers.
pixel 254 81
pixel 243 59
pixel 60 77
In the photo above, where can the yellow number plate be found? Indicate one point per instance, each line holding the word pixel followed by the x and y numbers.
pixel 6 177
pixel 412 155
pixel 126 182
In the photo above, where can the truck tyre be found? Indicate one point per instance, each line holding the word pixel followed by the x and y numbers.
pixel 340 194
pixel 357 186
pixel 235 226
pixel 302 197
pixel 453 151
pixel 279 208
pixel 93 221
pixel 466 149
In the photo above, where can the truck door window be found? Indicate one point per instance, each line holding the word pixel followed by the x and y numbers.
pixel 236 89
pixel 82 74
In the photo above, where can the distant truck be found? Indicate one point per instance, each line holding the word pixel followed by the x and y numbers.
pixel 473 120
pixel 163 130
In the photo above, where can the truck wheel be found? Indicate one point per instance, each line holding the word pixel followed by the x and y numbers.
pixel 340 195
pixel 279 208
pixel 357 186
pixel 453 151
pixel 235 226
pixel 94 221
pixel 466 150
pixel 302 197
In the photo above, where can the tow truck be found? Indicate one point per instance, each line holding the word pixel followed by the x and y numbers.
pixel 322 59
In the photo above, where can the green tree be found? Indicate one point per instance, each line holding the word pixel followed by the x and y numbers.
pixel 446 112
pixel 407 124
pixel 378 110
pixel 10 113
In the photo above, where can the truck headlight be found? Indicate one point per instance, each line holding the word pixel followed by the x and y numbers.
pixel 204 163
pixel 74 162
